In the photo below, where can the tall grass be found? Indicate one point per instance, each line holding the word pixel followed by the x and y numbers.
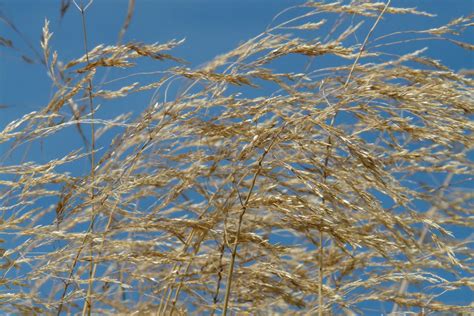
pixel 337 189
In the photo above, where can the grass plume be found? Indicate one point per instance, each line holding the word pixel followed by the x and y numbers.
pixel 254 189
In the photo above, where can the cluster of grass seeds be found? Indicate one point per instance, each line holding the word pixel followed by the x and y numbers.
pixel 253 190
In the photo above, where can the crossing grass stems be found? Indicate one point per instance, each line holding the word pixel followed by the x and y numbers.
pixel 305 198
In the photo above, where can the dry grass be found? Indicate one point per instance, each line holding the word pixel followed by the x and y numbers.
pixel 306 198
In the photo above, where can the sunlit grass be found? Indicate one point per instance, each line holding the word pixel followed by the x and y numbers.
pixel 250 190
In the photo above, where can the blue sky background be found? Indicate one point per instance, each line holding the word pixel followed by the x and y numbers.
pixel 210 27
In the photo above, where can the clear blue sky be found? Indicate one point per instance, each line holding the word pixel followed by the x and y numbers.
pixel 210 27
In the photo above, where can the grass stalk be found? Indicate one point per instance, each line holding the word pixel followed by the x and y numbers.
pixel 244 205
